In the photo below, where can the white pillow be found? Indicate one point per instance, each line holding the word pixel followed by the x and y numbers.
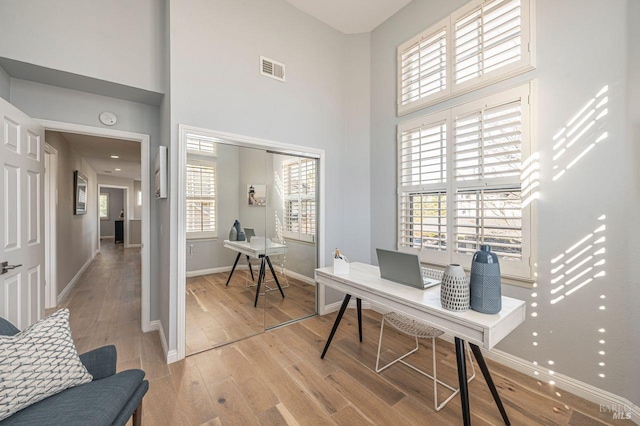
pixel 38 362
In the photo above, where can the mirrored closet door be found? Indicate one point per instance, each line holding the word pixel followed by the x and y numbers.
pixel 251 241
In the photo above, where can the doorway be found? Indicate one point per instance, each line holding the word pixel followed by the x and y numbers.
pixel 50 225
pixel 144 149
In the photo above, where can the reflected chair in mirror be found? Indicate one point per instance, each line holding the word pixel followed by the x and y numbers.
pixel 420 330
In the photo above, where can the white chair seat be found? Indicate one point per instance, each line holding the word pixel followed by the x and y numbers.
pixel 419 330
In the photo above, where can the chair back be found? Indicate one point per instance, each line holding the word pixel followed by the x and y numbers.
pixel 6 328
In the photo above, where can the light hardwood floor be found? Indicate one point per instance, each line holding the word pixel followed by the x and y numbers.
pixel 218 314
pixel 277 377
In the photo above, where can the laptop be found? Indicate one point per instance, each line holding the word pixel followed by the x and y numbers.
pixel 403 268
pixel 249 232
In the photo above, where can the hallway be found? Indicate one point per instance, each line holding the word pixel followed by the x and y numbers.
pixel 105 310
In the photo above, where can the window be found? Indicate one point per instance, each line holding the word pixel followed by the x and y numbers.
pixel 104 206
pixel 481 43
pixel 201 188
pixel 460 182
pixel 299 181
pixel 139 198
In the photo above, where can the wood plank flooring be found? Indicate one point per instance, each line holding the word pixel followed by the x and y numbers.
pixel 219 314
pixel 277 377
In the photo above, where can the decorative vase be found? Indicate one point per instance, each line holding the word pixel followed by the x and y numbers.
pixel 233 234
pixel 485 285
pixel 454 290
pixel 239 232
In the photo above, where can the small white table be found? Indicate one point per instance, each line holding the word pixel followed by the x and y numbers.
pixel 364 282
pixel 262 252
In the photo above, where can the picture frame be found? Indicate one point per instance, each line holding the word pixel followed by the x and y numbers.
pixel 80 193
pixel 257 195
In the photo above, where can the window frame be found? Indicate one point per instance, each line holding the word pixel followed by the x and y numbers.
pixel 106 194
pixel 203 159
pixel 526 63
pixel 299 198
pixel 518 272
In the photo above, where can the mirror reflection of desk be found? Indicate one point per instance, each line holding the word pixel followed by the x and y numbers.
pixel 259 248
pixel 119 231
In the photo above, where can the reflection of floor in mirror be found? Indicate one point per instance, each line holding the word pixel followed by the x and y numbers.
pixel 217 314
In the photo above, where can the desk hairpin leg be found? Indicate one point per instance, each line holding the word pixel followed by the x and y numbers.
pixel 487 377
pixel 234 268
pixel 336 323
pixel 275 277
pixel 260 278
pixel 462 380
pixel 250 269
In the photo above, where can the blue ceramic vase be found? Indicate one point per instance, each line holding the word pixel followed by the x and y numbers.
pixel 239 231
pixel 485 284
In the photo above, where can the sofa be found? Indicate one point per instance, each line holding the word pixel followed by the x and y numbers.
pixel 109 399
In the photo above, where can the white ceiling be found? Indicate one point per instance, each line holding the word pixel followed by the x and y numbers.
pixel 351 16
pixel 98 151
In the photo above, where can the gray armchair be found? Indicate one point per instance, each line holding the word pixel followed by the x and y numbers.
pixel 110 399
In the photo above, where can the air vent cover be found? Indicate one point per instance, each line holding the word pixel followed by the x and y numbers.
pixel 271 68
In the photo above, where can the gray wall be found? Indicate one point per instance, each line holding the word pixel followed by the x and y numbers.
pixel 5 84
pixel 121 42
pixel 53 103
pixel 77 234
pixel 575 59
pixel 116 203
pixel 633 147
pixel 357 215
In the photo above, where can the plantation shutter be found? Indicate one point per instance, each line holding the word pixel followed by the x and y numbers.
pixel 299 182
pixel 489 148
pixel 423 67
pixel 201 200
pixel 422 168
pixel 487 38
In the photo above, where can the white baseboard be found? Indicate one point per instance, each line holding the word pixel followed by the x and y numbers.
pixel 305 279
pixel 217 270
pixel 576 387
pixel 107 237
pixel 170 355
pixel 67 289
pixel 133 246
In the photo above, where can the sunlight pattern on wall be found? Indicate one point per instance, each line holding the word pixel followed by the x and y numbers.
pixel 580 134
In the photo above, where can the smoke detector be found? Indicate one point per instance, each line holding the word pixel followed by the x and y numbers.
pixel 271 68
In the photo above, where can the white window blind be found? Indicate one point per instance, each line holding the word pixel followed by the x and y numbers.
pixel 481 43
pixel 201 200
pixel 299 181
pixel 423 67
pixel 460 182
pixel 201 145
pixel 487 38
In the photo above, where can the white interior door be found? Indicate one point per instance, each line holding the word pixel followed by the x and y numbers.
pixel 21 217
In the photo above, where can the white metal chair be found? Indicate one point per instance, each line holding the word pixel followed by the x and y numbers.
pixel 420 330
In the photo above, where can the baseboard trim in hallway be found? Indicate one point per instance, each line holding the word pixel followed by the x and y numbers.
pixel 67 289
pixel 170 356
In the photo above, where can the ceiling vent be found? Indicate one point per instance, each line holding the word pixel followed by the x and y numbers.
pixel 271 68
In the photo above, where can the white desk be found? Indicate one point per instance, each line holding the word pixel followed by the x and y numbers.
pixel 257 252
pixel 364 282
